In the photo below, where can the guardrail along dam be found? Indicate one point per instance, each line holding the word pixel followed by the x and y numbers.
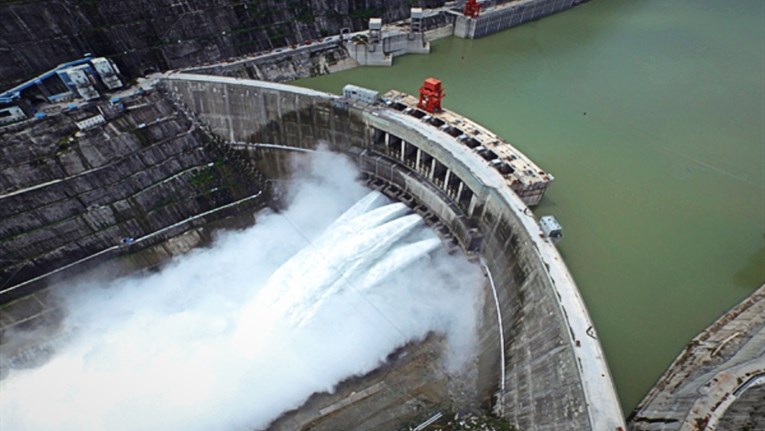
pixel 193 153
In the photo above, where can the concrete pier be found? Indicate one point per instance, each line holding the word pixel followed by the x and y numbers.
pixel 522 175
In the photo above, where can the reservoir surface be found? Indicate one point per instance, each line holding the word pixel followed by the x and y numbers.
pixel 651 116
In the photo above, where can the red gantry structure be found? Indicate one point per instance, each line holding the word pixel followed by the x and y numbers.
pixel 472 8
pixel 431 94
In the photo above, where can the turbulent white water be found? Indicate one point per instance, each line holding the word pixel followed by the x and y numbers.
pixel 229 337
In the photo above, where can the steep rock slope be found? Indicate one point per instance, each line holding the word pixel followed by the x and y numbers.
pixel 151 35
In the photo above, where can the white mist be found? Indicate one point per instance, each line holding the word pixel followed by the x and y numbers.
pixel 231 336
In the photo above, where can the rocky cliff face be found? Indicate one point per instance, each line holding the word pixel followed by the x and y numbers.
pixel 146 175
pixel 151 35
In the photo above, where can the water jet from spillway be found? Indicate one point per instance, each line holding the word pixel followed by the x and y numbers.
pixel 231 336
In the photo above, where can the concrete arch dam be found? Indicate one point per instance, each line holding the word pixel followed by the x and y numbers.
pixel 540 363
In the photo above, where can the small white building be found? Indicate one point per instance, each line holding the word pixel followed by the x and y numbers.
pixel 79 77
pixel 107 71
pixel 91 122
pixel 415 22
pixel 11 114
pixel 360 94
pixel 375 24
pixel 551 228
pixel 375 30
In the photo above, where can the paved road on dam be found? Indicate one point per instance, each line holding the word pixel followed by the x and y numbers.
pixel 649 114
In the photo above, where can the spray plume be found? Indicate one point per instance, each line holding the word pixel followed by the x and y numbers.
pixel 231 336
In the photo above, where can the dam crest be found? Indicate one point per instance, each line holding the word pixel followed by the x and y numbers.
pixel 554 373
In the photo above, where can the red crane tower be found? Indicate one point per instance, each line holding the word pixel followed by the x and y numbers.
pixel 431 94
pixel 472 8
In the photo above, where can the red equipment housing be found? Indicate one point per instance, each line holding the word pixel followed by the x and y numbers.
pixel 472 8
pixel 431 94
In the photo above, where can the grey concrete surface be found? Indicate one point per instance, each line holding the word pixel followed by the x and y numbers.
pixel 717 382
pixel 557 377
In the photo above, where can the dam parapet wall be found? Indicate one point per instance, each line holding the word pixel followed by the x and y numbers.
pixel 527 180
pixel 556 376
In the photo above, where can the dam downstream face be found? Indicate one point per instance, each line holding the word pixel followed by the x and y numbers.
pixel 652 127
pixel 231 336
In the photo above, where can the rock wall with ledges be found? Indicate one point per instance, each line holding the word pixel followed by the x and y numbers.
pixel 66 195
pixel 153 35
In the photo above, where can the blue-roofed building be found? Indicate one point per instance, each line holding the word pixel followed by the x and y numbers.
pixel 85 78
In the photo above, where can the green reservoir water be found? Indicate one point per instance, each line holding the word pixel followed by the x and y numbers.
pixel 651 116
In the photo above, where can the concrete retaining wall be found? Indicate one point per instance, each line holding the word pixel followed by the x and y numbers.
pixel 508 15
pixel 392 45
pixel 366 55
pixel 285 64
pixel 556 376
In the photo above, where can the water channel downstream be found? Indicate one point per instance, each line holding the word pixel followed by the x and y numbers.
pixel 650 114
